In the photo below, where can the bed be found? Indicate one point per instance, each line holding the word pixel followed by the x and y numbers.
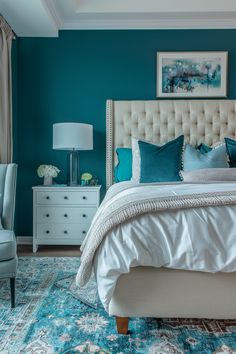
pixel 165 292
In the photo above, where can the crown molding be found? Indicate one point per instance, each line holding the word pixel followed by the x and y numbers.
pixel 53 13
pixel 177 23
pixel 45 18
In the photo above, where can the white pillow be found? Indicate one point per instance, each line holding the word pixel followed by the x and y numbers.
pixel 210 174
pixel 136 159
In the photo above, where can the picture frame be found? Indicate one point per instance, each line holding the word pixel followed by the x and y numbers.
pixel 192 74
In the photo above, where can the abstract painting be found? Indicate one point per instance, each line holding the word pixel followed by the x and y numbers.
pixel 192 74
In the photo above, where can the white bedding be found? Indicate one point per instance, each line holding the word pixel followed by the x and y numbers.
pixel 201 239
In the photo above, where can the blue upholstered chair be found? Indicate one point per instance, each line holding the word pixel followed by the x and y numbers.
pixel 8 257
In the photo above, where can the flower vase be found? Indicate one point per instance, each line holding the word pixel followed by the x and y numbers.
pixel 47 181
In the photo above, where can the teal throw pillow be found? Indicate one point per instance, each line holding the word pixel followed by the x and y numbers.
pixel 195 160
pixel 231 150
pixel 203 148
pixel 161 163
pixel 123 170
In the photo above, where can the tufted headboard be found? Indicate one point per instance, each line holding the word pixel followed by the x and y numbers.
pixel 201 121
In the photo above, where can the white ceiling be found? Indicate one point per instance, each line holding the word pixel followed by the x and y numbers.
pixel 44 18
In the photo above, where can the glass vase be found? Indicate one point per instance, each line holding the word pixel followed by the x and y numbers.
pixel 47 181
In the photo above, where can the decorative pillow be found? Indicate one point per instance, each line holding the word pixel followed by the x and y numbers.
pixel 136 161
pixel 123 170
pixel 209 174
pixel 203 148
pixel 195 160
pixel 161 163
pixel 231 150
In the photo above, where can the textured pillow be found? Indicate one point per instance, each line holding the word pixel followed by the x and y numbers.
pixel 135 160
pixel 231 150
pixel 161 163
pixel 209 174
pixel 123 170
pixel 195 160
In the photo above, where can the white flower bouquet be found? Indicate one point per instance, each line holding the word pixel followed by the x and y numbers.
pixel 48 171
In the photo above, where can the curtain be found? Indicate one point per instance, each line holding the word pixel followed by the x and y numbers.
pixel 6 142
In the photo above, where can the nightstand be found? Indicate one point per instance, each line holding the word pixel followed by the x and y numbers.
pixel 62 215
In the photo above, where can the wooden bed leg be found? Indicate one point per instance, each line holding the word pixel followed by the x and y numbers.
pixel 122 324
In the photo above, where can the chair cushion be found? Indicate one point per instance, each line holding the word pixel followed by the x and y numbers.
pixel 7 245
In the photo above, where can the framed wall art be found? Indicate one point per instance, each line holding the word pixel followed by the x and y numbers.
pixel 192 74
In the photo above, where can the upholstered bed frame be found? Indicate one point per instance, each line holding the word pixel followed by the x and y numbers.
pixel 153 292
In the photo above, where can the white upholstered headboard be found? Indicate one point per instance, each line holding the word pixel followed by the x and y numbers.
pixel 201 121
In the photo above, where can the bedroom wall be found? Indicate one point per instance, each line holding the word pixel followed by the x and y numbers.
pixel 69 79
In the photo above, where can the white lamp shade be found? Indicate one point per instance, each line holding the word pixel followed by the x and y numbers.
pixel 72 136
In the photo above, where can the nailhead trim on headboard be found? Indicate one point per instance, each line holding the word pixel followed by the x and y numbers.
pixel 109 143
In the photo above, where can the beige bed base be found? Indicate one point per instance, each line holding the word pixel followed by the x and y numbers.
pixel 153 292
pixel 150 292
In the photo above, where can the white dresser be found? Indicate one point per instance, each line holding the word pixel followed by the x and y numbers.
pixel 62 215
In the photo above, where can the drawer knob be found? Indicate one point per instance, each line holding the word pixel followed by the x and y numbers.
pixel 65 197
pixel 65 216
pixel 47 232
pixel 47 215
pixel 84 215
pixel 84 232
pixel 84 197
pixel 65 232
pixel 47 197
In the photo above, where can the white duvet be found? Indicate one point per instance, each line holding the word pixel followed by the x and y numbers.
pixel 201 239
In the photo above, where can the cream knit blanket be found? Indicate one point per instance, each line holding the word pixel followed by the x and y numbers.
pixel 123 206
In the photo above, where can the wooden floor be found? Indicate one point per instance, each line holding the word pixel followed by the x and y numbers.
pixel 49 251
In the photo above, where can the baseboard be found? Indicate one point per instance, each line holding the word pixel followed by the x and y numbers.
pixel 24 240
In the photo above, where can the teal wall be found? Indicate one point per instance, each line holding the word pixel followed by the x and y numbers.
pixel 69 79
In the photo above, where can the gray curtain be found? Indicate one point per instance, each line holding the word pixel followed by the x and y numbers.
pixel 6 147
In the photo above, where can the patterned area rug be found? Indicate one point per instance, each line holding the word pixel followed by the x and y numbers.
pixel 48 319
pixel 88 294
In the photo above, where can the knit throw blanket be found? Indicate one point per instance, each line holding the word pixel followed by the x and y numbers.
pixel 123 205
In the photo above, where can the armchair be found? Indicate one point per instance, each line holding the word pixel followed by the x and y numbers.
pixel 8 257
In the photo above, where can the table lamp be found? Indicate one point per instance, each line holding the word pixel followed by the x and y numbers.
pixel 73 137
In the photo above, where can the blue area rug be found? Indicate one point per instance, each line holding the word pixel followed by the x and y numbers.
pixel 48 319
pixel 88 294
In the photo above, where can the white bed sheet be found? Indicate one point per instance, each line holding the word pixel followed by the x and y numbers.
pixel 200 239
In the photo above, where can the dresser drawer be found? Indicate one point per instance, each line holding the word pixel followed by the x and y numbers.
pixel 67 197
pixel 61 231
pixel 54 214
